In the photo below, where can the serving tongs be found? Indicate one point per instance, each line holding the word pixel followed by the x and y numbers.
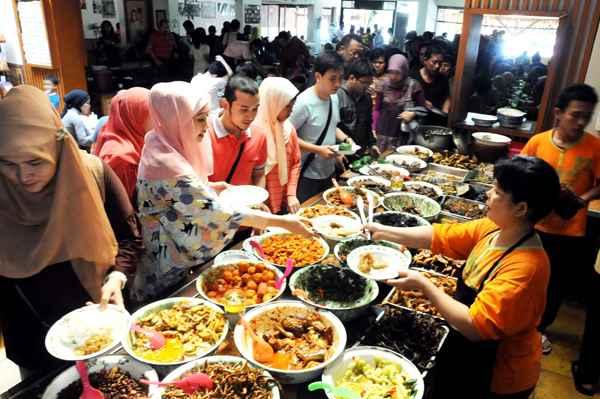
pixel 361 211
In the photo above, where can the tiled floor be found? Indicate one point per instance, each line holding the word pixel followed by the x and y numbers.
pixel 555 381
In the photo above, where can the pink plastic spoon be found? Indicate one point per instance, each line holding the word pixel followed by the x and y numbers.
pixel 157 340
pixel 289 266
pixel 189 384
pixel 89 392
pixel 254 244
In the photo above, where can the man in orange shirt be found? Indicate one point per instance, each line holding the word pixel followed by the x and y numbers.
pixel 239 154
pixel 494 347
pixel 575 155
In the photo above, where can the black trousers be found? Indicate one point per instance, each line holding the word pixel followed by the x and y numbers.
pixel 308 188
pixel 518 395
pixel 570 263
pixel 589 354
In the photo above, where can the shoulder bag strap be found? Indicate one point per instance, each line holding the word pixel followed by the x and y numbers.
pixel 235 163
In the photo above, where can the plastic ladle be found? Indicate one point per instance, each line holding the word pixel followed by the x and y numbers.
pixel 157 340
pixel 343 392
pixel 190 384
pixel 89 392
pixel 345 196
pixel 289 267
pixel 262 351
pixel 258 248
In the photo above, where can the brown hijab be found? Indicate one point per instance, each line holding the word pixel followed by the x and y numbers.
pixel 65 221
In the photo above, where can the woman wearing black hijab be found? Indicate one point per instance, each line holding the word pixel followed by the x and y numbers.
pixel 77 108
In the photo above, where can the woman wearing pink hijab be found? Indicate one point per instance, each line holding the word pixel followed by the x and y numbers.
pixel 184 224
pixel 277 97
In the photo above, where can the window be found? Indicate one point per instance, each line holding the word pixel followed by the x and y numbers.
pixel 276 18
pixel 449 20
pixel 326 21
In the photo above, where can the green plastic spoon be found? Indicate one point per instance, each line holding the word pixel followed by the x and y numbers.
pixel 343 392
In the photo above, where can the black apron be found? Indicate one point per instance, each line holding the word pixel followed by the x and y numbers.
pixel 465 367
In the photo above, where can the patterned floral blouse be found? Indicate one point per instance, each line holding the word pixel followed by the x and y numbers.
pixel 183 225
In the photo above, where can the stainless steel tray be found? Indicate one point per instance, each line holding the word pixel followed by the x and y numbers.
pixel 449 170
pixel 447 197
pixel 432 359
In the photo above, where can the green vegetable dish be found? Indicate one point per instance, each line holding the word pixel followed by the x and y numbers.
pixel 383 379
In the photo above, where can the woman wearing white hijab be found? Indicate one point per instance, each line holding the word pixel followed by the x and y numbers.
pixel 184 224
pixel 277 97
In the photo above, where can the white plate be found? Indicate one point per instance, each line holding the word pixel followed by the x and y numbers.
pixel 395 260
pixel 322 224
pixel 186 368
pixel 384 167
pixel 354 150
pixel 136 369
pixel 381 181
pixel 247 196
pixel 166 304
pixel 369 353
pixel 492 139
pixel 409 162
pixel 411 150
pixel 71 330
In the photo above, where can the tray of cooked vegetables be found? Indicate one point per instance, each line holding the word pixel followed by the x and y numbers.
pixel 337 289
pixel 483 173
pixel 417 336
pixel 418 151
pixel 425 259
pixel 423 188
pixel 375 373
pixel 464 207
pixel 192 328
pixel 415 204
pixel 450 218
pixel 377 184
pixel 399 219
pixel 303 340
pixel 333 196
pixel 416 300
pixel 455 160
pixel 448 183
pixel 477 192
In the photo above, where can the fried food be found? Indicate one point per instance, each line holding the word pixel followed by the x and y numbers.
pixel 324 210
pixel 304 251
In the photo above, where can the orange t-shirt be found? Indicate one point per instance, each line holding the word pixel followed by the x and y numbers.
pixel 578 167
pixel 510 306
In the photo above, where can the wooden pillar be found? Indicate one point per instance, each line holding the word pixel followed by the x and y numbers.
pixel 64 29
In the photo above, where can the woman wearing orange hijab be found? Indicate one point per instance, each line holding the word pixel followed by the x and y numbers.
pixel 277 97
pixel 121 140
pixel 67 229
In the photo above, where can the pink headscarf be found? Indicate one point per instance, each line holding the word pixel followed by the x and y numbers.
pixel 171 150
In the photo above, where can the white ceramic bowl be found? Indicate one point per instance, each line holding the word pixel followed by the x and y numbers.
pixel 375 197
pixel 263 237
pixel 420 221
pixel 413 183
pixel 395 260
pixel 409 162
pixel 136 369
pixel 338 246
pixel 376 180
pixel 202 278
pixel 182 370
pixel 244 343
pixel 337 369
pixel 347 212
pixel 423 202
pixel 345 312
pixel 384 167
pixel 165 304
pixel 415 151
pixel 322 225
pixel 492 139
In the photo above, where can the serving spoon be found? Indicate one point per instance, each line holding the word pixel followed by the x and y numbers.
pixel 157 340
pixel 345 196
pixel 338 392
pixel 89 392
pixel 289 267
pixel 189 384
pixel 261 350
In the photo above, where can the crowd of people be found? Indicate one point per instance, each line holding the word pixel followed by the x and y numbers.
pixel 131 208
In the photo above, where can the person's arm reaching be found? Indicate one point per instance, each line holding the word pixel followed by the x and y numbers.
pixel 411 237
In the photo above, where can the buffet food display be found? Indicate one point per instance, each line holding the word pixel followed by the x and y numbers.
pixel 335 298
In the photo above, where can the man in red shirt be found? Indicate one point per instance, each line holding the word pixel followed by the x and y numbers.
pixel 239 154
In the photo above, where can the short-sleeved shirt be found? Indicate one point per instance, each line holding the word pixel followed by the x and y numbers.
pixel 309 117
pixel 226 147
pixel 356 116
pixel 578 167
pixel 435 92
pixel 510 305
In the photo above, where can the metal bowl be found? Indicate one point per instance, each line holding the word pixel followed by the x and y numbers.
pixel 436 138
